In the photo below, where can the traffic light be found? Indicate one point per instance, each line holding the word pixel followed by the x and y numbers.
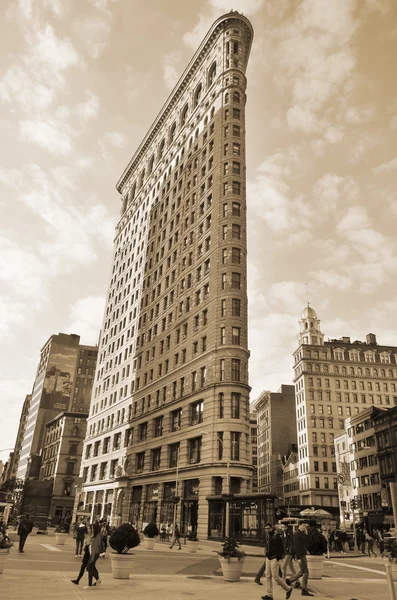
pixel 353 503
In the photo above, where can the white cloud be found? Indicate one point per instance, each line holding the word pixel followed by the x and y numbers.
pixel 89 108
pixel 93 32
pixel 248 7
pixel 334 135
pixel 302 118
pixel 331 190
pixel 332 279
pixel 116 138
pixel 57 55
pixel 85 317
pixel 358 115
pixel 50 135
pixel 385 167
pixel 171 70
pixel 356 218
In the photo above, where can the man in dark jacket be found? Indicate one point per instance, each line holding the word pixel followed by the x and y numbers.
pixel 300 551
pixel 286 536
pixel 274 551
pixel 25 527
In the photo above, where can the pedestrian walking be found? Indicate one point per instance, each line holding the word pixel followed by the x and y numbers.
pixel 300 551
pixel 344 546
pixel 286 536
pixel 79 532
pixel 370 545
pixel 177 536
pixel 86 557
pixel 274 549
pixel 95 550
pixel 104 533
pixel 25 527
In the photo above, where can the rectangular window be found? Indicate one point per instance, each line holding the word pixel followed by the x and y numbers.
pixel 221 405
pixel 235 405
pixel 158 427
pixel 236 335
pixel 236 307
pixel 223 336
pixel 236 168
pixel 196 412
pixel 236 187
pixel 236 281
pixel 236 365
pixel 156 457
pixel 223 308
pixel 222 369
pixel 173 455
pixel 235 445
pixel 236 256
pixel 194 448
pixel 236 231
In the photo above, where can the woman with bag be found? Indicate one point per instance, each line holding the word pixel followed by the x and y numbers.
pixel 95 550
pixel 86 557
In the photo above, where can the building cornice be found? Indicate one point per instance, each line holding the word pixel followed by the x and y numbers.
pixel 180 87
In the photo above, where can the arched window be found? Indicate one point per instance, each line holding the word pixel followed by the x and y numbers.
pixel 211 74
pixel 172 132
pixel 75 431
pixel 184 113
pixel 161 149
pixel 212 112
pixel 344 372
pixel 151 163
pixel 383 373
pixel 367 372
pixel 359 371
pixel 197 94
pixel 376 372
pixel 132 193
pixel 227 98
pixel 236 97
pixel 351 370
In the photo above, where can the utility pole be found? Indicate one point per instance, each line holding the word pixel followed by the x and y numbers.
pixel 393 495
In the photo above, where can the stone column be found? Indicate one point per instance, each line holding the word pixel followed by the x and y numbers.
pixel 202 521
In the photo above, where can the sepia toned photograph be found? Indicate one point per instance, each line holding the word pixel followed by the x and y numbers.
pixel 197 296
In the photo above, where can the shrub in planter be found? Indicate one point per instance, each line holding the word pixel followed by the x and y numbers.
pixel 124 538
pixel 151 530
pixel 390 553
pixel 121 540
pixel 231 559
pixel 192 541
pixel 316 542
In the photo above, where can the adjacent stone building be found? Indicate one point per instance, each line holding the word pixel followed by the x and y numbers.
pixel 334 380
pixel 170 408
pixel 63 383
pixel 61 459
pixel 276 436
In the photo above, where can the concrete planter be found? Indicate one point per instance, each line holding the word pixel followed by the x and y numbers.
pixel 60 538
pixel 51 531
pixel 148 543
pixel 315 565
pixel 34 531
pixel 3 558
pixel 121 565
pixel 231 568
pixel 192 546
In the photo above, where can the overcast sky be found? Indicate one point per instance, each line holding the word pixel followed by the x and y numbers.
pixel 81 83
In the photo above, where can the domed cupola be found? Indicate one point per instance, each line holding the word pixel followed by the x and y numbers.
pixel 310 332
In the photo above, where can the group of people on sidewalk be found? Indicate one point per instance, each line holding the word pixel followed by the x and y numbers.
pixel 281 548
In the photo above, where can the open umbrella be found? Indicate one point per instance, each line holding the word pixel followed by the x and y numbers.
pixel 308 512
pixel 322 514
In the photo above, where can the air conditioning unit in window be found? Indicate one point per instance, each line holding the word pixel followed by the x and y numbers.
pixel 176 428
pixel 192 461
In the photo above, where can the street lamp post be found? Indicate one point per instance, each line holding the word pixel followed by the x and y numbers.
pixel 176 492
